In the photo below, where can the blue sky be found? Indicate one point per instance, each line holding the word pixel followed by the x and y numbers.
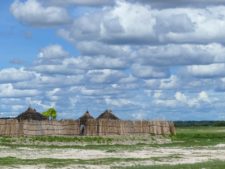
pixel 142 59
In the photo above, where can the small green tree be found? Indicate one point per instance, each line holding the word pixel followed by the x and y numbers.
pixel 50 114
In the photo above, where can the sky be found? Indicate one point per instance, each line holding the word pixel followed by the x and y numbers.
pixel 143 59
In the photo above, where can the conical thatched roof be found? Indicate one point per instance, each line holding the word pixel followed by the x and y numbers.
pixel 85 117
pixel 31 114
pixel 108 115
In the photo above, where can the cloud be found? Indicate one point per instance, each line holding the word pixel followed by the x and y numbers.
pixel 192 102
pixel 7 90
pixel 55 81
pixel 104 76
pixel 166 103
pixel 94 48
pixel 207 71
pixel 9 75
pixel 119 102
pixel 180 3
pixel 173 82
pixel 203 96
pixel 134 23
pixel 57 69
pixel 77 65
pixel 142 71
pixel 53 94
pixel 54 60
pixel 80 2
pixel 180 99
pixel 52 54
pixel 174 54
pixel 176 23
pixel 33 13
pixel 82 31
pixel 96 62
pixel 220 86
pixel 130 23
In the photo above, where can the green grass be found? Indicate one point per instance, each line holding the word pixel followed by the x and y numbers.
pixel 58 163
pixel 198 136
pixel 105 147
pixel 59 139
pixel 86 139
pixel 204 165
pixel 79 139
pixel 53 163
pixel 108 143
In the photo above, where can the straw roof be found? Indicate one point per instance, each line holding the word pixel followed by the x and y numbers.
pixel 108 115
pixel 31 114
pixel 83 119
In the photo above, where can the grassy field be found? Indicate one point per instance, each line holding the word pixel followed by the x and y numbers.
pixel 108 143
pixel 205 165
pixel 200 138
pixel 53 163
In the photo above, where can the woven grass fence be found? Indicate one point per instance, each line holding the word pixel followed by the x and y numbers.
pixel 38 128
pixel 93 128
pixel 118 127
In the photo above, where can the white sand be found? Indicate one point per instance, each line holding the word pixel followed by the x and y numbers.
pixel 186 155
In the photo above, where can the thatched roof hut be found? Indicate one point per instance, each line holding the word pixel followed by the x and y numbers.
pixel 108 115
pixel 83 119
pixel 31 114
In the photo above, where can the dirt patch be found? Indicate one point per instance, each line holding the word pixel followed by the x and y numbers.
pixel 151 156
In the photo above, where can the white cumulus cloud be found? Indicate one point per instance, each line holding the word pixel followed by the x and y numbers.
pixel 33 13
pixel 15 75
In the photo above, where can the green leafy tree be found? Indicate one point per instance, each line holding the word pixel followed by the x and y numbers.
pixel 51 114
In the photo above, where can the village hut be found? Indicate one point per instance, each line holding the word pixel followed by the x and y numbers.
pixel 107 115
pixel 83 119
pixel 31 114
pixel 83 122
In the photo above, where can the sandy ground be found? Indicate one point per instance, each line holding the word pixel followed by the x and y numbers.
pixel 166 155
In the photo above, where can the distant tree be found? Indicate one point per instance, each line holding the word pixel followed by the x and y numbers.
pixel 51 114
